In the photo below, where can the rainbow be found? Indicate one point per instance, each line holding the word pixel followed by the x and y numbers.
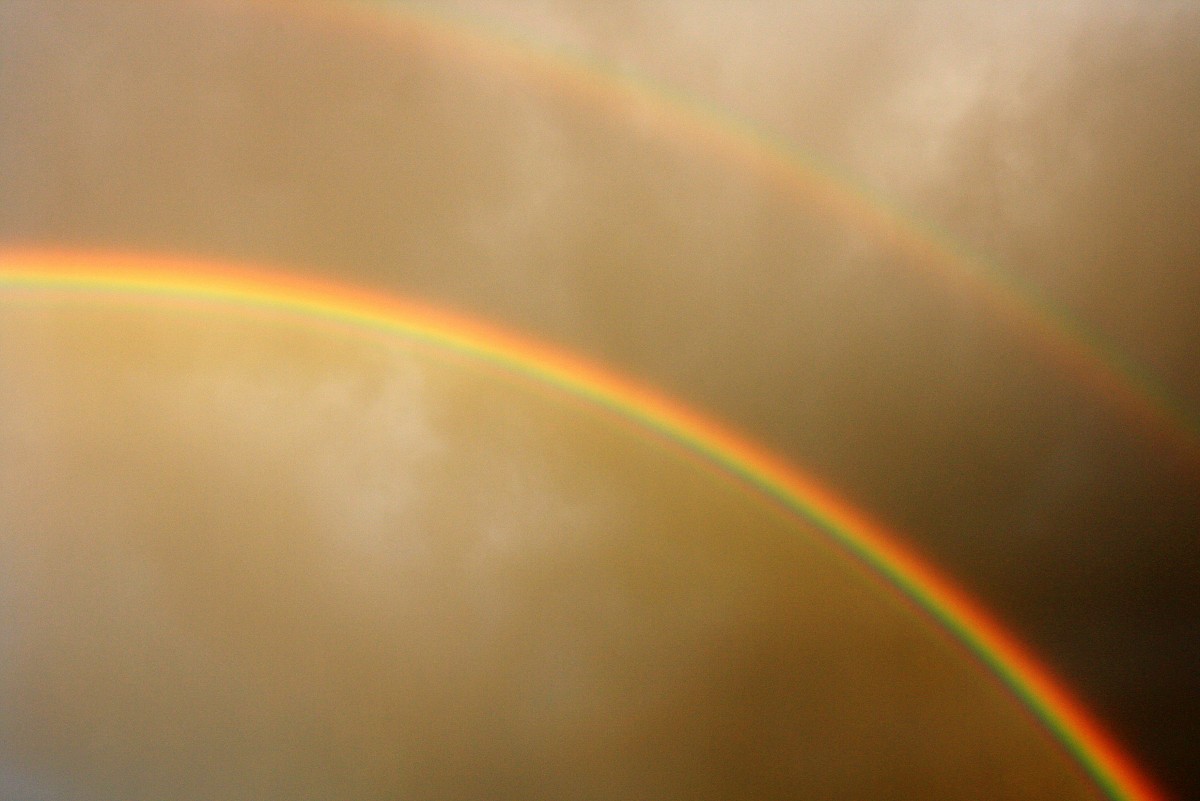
pixel 664 112
pixel 32 275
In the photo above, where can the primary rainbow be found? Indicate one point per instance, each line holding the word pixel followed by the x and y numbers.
pixel 40 274
pixel 661 111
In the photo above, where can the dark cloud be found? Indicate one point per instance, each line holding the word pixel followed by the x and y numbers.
pixel 1055 140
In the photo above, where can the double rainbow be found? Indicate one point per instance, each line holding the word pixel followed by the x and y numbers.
pixel 755 152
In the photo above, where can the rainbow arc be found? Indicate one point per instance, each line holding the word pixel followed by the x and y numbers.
pixel 30 276
pixel 611 91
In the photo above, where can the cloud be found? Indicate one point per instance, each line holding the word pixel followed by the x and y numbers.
pixel 279 558
pixel 1053 140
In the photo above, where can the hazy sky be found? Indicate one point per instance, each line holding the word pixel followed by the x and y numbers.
pixel 1057 139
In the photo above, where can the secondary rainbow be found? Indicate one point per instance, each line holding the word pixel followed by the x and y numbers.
pixel 661 111
pixel 34 274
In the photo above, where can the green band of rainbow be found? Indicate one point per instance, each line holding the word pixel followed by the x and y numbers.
pixel 42 274
pixel 670 114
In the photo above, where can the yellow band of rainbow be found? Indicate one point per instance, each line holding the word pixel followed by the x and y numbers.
pixel 41 274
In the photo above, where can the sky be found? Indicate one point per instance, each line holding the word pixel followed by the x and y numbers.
pixel 250 556
pixel 1056 141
